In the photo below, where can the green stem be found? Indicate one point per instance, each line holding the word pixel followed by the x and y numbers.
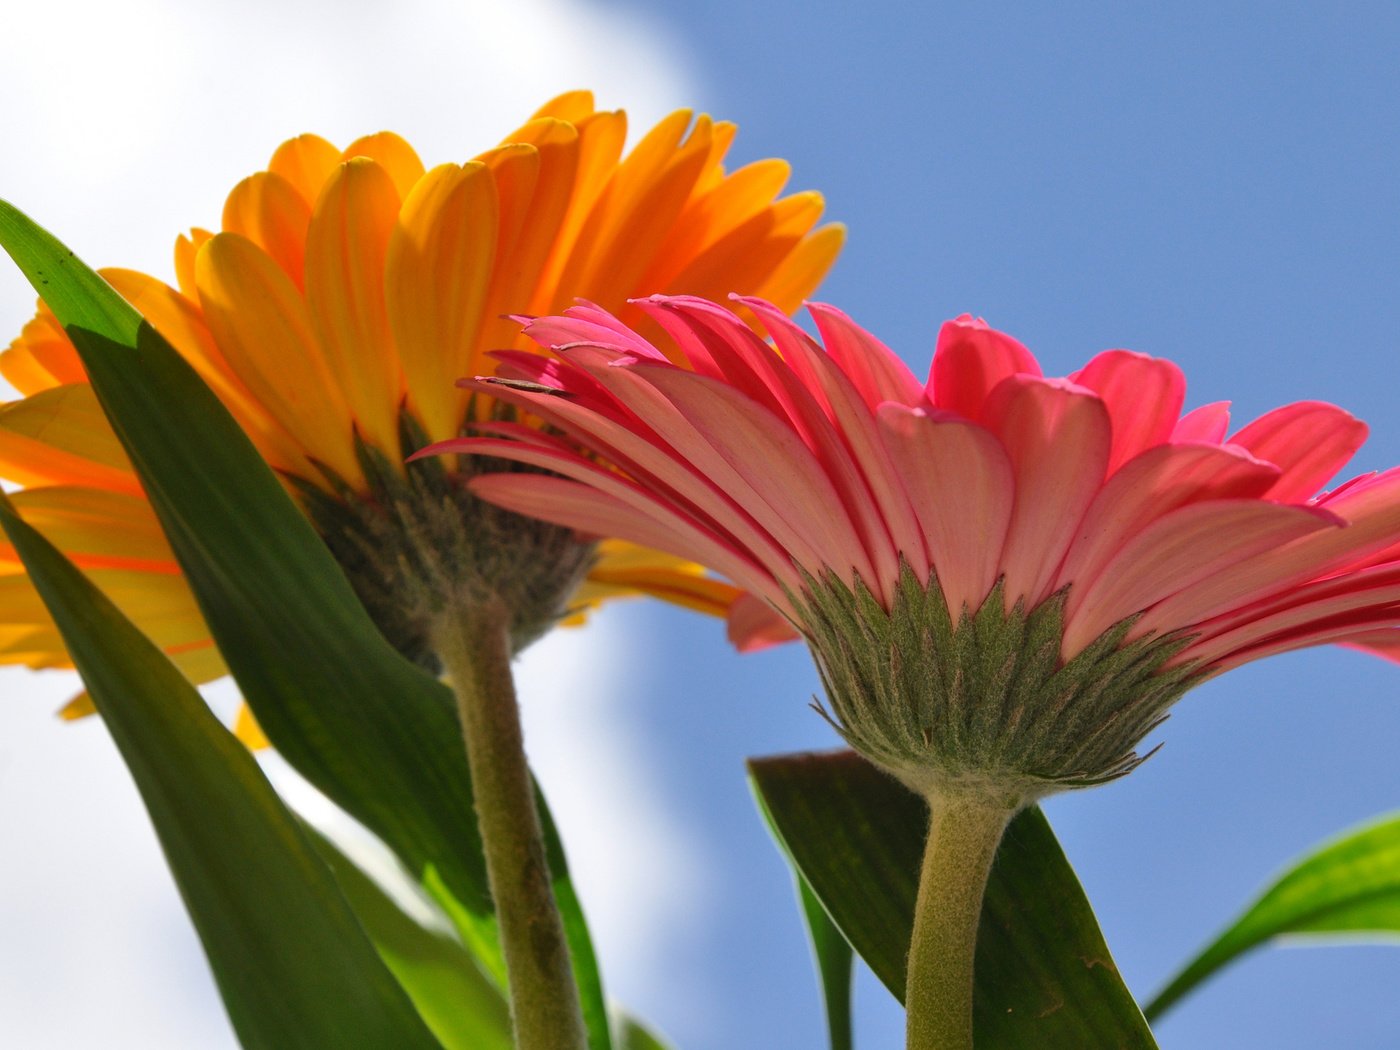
pixel 475 651
pixel 963 836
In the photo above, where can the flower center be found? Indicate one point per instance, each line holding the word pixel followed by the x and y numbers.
pixel 418 545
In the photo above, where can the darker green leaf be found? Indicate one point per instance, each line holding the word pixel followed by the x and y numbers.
pixel 465 1009
pixel 1045 979
pixel 834 966
pixel 292 963
pixel 371 730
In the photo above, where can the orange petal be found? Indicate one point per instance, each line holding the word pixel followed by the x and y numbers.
pixel 179 320
pixel 437 273
pixel 534 201
pixel 268 210
pixel 637 210
pixel 572 106
pixel 346 251
pixel 42 356
pixel 804 268
pixel 81 706
pixel 393 154
pixel 246 728
pixel 306 162
pixel 60 435
pixel 601 138
pixel 263 328
pixel 186 250
pixel 98 528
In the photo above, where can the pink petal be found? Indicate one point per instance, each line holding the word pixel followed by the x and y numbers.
pixel 589 325
pixel 1383 642
pixel 1372 593
pixel 1150 486
pixel 693 347
pixel 1056 436
pixel 1208 424
pixel 605 505
pixel 791 495
pixel 1143 396
pixel 755 625
pixel 853 420
pixel 647 457
pixel 690 450
pixel 1365 632
pixel 739 357
pixel 1368 519
pixel 875 369
pixel 969 361
pixel 960 482
pixel 1200 542
pixel 1310 441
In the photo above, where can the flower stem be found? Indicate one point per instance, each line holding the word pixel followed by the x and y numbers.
pixel 475 651
pixel 963 836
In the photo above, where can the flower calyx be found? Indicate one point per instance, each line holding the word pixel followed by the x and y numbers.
pixel 984 705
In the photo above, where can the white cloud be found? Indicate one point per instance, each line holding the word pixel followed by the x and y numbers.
pixel 124 125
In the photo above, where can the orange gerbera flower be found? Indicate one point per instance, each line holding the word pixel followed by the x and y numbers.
pixel 347 291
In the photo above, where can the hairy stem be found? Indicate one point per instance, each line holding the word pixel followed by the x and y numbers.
pixel 475 652
pixel 963 836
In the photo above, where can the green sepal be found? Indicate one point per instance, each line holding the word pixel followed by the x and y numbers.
pixel 984 698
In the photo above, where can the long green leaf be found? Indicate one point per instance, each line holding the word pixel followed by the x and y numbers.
pixel 359 721
pixel 1045 979
pixel 835 960
pixel 292 964
pixel 1348 886
pixel 464 1008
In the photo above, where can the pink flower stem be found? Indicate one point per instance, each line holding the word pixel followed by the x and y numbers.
pixel 545 1012
pixel 963 836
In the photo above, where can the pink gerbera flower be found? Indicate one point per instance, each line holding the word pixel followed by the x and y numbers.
pixel 1006 579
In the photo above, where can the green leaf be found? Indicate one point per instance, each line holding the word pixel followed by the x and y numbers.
pixel 834 966
pixel 292 964
pixel 830 950
pixel 633 1035
pixel 1348 886
pixel 462 1005
pixel 1045 978
pixel 368 728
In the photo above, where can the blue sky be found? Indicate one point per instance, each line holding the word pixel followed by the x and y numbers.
pixel 1214 183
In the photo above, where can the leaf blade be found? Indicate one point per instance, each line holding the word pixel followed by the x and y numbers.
pixel 462 1006
pixel 291 961
pixel 1045 978
pixel 369 729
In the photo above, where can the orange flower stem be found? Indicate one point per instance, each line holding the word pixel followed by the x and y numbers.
pixel 963 836
pixel 545 1012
